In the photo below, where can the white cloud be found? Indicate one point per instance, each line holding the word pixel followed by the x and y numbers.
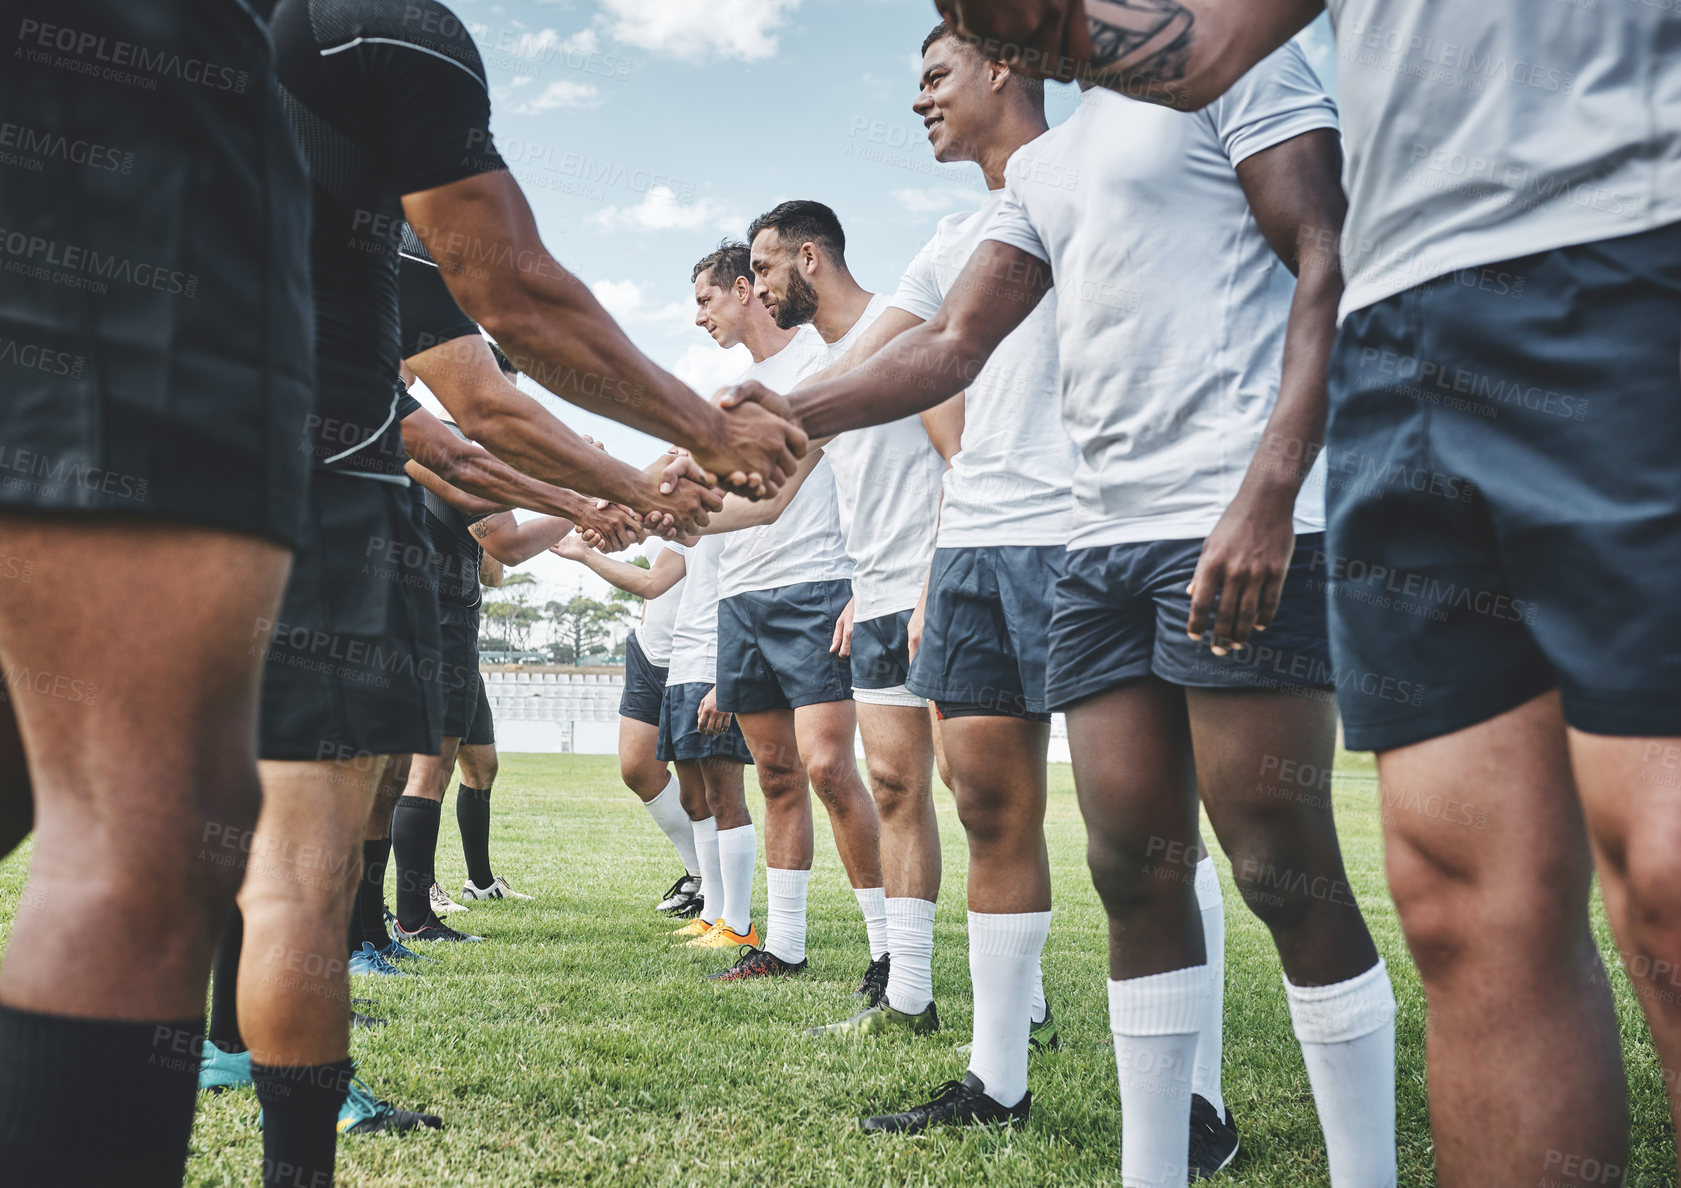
pixel 694 29
pixel 558 94
pixel 661 211
pixel 629 302
pixel 705 368
pixel 934 201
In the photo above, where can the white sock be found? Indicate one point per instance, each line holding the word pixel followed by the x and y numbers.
pixel 872 901
pixel 910 938
pixel 1003 953
pixel 1205 1073
pixel 785 925
pixel 1155 1021
pixel 667 811
pixel 738 855
pixel 1347 1033
pixel 1039 1009
pixel 711 877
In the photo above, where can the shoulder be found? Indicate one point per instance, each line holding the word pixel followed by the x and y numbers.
pixel 423 27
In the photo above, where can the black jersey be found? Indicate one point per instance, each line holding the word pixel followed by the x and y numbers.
pixel 459 553
pixel 388 97
pixel 430 314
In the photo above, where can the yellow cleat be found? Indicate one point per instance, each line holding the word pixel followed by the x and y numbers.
pixel 719 936
pixel 695 927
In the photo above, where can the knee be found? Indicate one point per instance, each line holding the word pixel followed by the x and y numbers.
pixel 781 782
pixel 831 774
pixel 1278 884
pixel 1654 909
pixel 645 777
pixel 483 773
pixel 1120 870
pixel 895 795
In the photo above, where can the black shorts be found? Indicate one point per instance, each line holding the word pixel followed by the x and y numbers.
pixel 459 675
pixel 1504 490
pixel 156 320
pixel 773 648
pixel 1121 612
pixel 481 731
pixel 644 684
pixel 354 664
pixel 986 631
pixel 680 736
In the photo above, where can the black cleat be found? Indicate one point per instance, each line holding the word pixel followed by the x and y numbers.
pixel 1213 1139
pixel 433 930
pixel 363 1113
pixel 684 893
pixel 873 989
pixel 357 1019
pixel 957 1103
pixel 757 963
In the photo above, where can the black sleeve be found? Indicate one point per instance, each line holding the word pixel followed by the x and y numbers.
pixel 430 314
pixel 437 101
pixel 406 404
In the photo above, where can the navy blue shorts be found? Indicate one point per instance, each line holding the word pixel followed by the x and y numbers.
pixel 773 648
pixel 1121 611
pixel 1504 495
pixel 680 736
pixel 644 684
pixel 881 651
pixel 986 631
pixel 481 731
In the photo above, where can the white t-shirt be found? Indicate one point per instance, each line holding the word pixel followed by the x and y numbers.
pixel 1483 131
pixel 1010 483
pixel 659 615
pixel 888 480
pixel 694 639
pixel 804 543
pixel 1171 307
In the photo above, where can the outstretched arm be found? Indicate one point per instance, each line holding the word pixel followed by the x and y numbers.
pixel 482 235
pixel 521 439
pixel 668 568
pixel 927 364
pixel 513 543
pixel 1178 53
pixel 1295 190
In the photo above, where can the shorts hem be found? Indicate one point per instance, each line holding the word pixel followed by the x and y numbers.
pixel 894 695
pixel 1395 733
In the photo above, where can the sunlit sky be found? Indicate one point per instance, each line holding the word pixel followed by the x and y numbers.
pixel 644 131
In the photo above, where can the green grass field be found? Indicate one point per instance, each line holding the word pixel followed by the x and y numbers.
pixel 578 1046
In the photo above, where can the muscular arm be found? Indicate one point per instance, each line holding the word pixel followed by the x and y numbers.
pixel 668 569
pixel 461 464
pixel 1178 53
pixel 467 505
pixel 481 232
pixel 490 571
pixel 513 543
pixel 1295 190
pixel 926 364
pixel 742 513
pixel 521 438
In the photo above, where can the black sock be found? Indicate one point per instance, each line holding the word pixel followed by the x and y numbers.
pixel 414 844
pixel 369 922
pixel 88 1102
pixel 300 1121
pixel 224 987
pixel 472 813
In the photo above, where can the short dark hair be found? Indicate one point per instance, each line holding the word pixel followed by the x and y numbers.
pixel 802 220
pixel 1032 88
pixel 502 361
pixel 730 259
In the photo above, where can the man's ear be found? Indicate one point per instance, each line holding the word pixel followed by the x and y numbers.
pixel 997 74
pixel 808 258
pixel 743 290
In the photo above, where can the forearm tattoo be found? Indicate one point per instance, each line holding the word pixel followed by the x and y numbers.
pixel 1147 41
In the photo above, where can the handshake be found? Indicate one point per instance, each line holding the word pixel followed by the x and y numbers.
pixel 752 447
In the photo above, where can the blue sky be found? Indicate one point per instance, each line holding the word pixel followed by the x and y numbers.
pixel 643 131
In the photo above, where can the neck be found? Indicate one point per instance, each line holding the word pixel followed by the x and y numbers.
pixel 1015 129
pixel 763 338
pixel 840 303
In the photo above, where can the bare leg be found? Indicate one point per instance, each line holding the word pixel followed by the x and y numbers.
pixel 940 764
pixel 691 788
pixel 478 765
pixel 998 769
pixel 726 792
pixel 1490 870
pixel 642 772
pixel 898 751
pixel 294 984
pixel 782 779
pixel 391 783
pixel 136 700
pixel 825 733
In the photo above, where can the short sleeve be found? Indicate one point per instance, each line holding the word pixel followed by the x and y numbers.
pixel 437 103
pixel 1010 223
pixel 429 313
pixel 919 293
pixel 1278 100
pixel 677 547
pixel 406 405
